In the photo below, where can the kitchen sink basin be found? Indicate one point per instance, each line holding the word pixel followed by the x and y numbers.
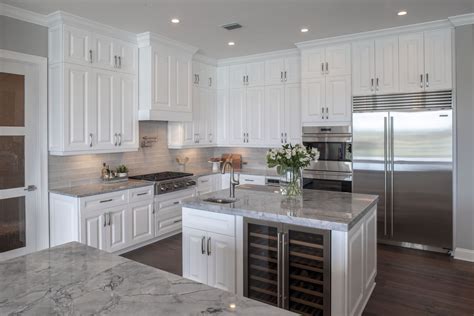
pixel 220 200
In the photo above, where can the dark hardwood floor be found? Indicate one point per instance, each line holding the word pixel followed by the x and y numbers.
pixel 409 282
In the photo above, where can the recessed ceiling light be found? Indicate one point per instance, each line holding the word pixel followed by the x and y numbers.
pixel 175 20
pixel 304 30
pixel 231 43
pixel 400 13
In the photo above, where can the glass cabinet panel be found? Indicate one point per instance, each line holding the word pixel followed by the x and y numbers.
pixel 12 99
pixel 12 224
pixel 12 162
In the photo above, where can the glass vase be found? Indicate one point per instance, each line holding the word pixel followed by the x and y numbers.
pixel 291 182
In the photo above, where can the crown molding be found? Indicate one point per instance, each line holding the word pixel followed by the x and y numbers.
pixel 205 59
pixel 23 15
pixel 413 28
pixel 147 39
pixel 464 19
pixel 293 52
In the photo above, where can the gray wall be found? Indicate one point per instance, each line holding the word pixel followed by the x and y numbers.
pixel 23 37
pixel 464 217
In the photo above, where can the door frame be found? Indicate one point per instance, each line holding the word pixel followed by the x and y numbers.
pixel 42 212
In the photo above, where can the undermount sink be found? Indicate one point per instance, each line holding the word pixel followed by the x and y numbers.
pixel 220 200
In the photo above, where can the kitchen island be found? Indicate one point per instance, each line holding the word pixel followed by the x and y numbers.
pixel 315 255
pixel 74 279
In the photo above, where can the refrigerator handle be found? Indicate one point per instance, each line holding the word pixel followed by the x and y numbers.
pixel 279 256
pixel 392 169
pixel 385 149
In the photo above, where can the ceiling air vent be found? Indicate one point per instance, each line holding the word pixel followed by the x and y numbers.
pixel 232 26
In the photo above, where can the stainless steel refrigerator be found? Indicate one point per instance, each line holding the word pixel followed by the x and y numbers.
pixel 402 151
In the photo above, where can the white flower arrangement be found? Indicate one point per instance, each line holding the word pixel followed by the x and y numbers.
pixel 291 156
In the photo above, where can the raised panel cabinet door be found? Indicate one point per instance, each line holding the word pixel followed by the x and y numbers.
pixel 77 45
pixel 93 229
pixel 370 250
pixel 313 100
pixel 203 116
pixel 203 75
pixel 126 112
pixel 274 71
pixel 292 114
pixel 312 63
pixel 80 108
pixel 338 99
pixel 222 112
pixel 182 86
pixel 275 115
pixel 356 271
pixel 127 55
pixel 363 67
pixel 106 99
pixel 103 51
pixel 118 229
pixel 411 62
pixel 223 77
pixel 338 59
pixel 386 65
pixel 237 75
pixel 438 60
pixel 211 134
pixel 292 70
pixel 256 74
pixel 237 116
pixel 221 262
pixel 142 222
pixel 191 129
pixel 255 109
pixel 195 255
pixel 161 79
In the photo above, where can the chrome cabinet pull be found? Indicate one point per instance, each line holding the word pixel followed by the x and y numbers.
pixel 247 138
pixel 110 220
pixel 90 139
pixel 199 78
pixel 115 62
pixel 203 251
pixel 327 113
pixel 115 139
pixel 30 188
pixel 177 221
pixel 421 81
pixel 427 80
pixel 144 193
pixel 286 137
pixel 377 84
pixel 90 56
pixel 322 68
pixel 247 79
pixel 322 112
pixel 176 202
pixel 281 76
pixel 106 201
pixel 210 82
pixel 372 84
pixel 285 76
pixel 120 61
pixel 209 246
pixel 120 139
pixel 105 219
pixel 327 68
pixel 281 138
pixel 243 80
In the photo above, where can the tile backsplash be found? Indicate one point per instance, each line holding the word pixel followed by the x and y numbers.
pixel 75 170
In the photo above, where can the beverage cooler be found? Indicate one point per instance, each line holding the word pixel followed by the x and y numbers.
pixel 288 266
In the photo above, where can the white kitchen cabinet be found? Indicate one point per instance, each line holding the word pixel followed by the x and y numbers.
pixel 168 216
pixel 105 85
pixel 251 75
pixel 411 62
pixel 165 79
pixel 313 94
pixel 222 118
pixel 118 228
pixel 252 179
pixel 292 114
pixel 74 42
pixel 204 75
pixel 125 121
pixel 326 61
pixel 195 261
pixel 142 222
pixel 221 262
pixel 237 116
pixel 363 67
pixel 338 99
pixel 282 70
pixel 104 56
pixel 92 232
pixel 127 57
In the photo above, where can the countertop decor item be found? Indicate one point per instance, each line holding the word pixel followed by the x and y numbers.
pixel 290 161
pixel 216 164
pixel 121 171
pixel 182 161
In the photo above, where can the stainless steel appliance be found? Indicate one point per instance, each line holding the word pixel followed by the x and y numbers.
pixel 333 170
pixel 288 266
pixel 403 153
pixel 169 181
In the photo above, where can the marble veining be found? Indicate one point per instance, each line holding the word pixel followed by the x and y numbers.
pixel 248 171
pixel 317 209
pixel 74 279
pixel 100 188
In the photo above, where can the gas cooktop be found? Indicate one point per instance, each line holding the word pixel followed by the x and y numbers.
pixel 162 176
pixel 168 181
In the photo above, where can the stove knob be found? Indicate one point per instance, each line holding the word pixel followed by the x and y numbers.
pixel 162 188
pixel 190 183
pixel 176 185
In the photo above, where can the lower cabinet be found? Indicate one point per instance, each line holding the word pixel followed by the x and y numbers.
pixel 168 216
pixel 143 222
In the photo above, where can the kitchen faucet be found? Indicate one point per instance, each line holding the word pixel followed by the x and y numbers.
pixel 233 182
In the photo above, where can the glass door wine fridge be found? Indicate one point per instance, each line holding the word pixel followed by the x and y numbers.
pixel 288 266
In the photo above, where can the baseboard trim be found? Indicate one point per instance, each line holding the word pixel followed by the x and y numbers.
pixel 464 254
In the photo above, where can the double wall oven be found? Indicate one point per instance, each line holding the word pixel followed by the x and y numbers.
pixel 333 170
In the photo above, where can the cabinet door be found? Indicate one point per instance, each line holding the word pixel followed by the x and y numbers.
pixel 79 111
pixel 312 63
pixel 222 116
pixel 211 77
pixel 106 98
pixel 118 230
pixel 237 76
pixel 274 115
pixel 256 74
pixel 411 62
pixel 204 113
pixel 438 60
pixel 77 45
pixel 237 124
pixel 363 65
pixel 221 262
pixel 338 60
pixel 211 117
pixel 386 65
pixel 338 98
pixel 93 229
pixel 223 77
pixel 274 71
pixel 181 84
pixel 161 79
pixel 191 129
pixel 255 115
pixel 142 222
pixel 103 52
pixel 313 103
pixel 127 55
pixel 292 114
pixel 196 73
pixel 125 111
pixel 293 70
pixel 194 255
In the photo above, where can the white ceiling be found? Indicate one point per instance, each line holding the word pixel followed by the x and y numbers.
pixel 268 25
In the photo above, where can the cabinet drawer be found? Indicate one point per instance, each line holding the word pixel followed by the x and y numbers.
pixel 168 220
pixel 208 221
pixel 249 179
pixel 141 194
pixel 104 200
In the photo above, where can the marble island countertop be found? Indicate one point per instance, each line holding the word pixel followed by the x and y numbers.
pixel 100 188
pixel 74 279
pixel 317 209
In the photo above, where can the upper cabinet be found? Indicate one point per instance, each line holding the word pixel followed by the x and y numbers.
pixel 165 76
pixel 247 75
pixel 93 89
pixel 326 61
pixel 204 76
pixel 283 70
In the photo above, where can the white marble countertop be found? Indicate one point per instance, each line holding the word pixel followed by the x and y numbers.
pixel 317 209
pixel 100 188
pixel 74 279
pixel 249 171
